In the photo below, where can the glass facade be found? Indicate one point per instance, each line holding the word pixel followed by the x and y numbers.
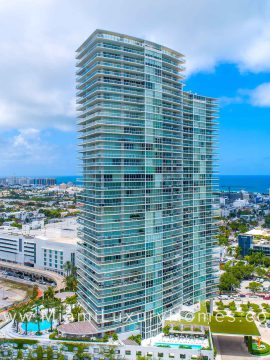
pixel 146 230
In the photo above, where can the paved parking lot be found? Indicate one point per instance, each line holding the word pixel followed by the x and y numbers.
pixel 10 293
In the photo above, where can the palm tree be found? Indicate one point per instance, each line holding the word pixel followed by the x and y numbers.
pixel 60 309
pixel 49 353
pixel 80 353
pixel 261 258
pixel 38 321
pixel 40 352
pixel 74 270
pixel 25 315
pixel 50 305
pixel 76 311
pixel 16 314
pixel 229 250
pixel 35 292
pixel 111 353
pixel 237 252
pixel 20 355
pixel 71 300
pixel 71 282
pixel 49 293
pixel 68 267
pixel 37 304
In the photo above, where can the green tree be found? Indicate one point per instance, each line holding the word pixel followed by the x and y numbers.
pixel 256 258
pixel 76 312
pixel 80 355
pixel 38 320
pixel 254 286
pixel 228 282
pixel 19 355
pixel 71 282
pixel 40 352
pixel 166 330
pixel 17 314
pixel 49 293
pixel 237 252
pixel 71 300
pixel 49 353
pixel 59 310
pixel 239 226
pixel 51 213
pixel 111 353
pixel 223 240
pixel 68 267
pixel 260 272
pixel 241 271
pixel 70 276
pixel 16 224
pixel 229 251
pixel 50 305
pixel 267 261
pixel 34 293
pixel 26 315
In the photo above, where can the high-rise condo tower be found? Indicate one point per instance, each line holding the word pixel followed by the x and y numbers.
pixel 147 148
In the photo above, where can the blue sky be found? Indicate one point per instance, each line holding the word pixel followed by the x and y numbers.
pixel 227 48
pixel 244 130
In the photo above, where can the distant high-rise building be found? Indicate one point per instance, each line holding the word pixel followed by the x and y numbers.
pixel 146 230
pixel 43 181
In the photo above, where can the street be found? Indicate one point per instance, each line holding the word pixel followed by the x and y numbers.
pixel 231 348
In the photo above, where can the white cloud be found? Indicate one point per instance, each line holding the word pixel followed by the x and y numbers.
pixel 38 41
pixel 260 96
pixel 25 148
pixel 31 151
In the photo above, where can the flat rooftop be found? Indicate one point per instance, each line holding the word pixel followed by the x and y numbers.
pixel 64 231
pixel 259 232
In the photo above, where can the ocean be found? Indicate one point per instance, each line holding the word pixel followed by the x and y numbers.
pixel 251 183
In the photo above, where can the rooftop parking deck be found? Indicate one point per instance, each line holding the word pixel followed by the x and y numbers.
pixel 37 273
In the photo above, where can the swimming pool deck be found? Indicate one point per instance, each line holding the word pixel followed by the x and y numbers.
pixel 184 340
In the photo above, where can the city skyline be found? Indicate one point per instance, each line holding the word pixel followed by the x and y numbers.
pixel 228 58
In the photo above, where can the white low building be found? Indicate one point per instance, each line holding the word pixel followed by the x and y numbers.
pixel 47 248
pixel 239 203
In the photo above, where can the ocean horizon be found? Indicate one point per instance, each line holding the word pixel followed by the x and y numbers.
pixel 251 183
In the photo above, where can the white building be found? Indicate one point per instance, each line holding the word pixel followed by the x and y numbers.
pixel 239 203
pixel 48 248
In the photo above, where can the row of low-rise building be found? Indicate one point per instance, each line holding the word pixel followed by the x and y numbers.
pixel 48 248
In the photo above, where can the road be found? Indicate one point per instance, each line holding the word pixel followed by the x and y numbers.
pixel 231 348
pixel 38 273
